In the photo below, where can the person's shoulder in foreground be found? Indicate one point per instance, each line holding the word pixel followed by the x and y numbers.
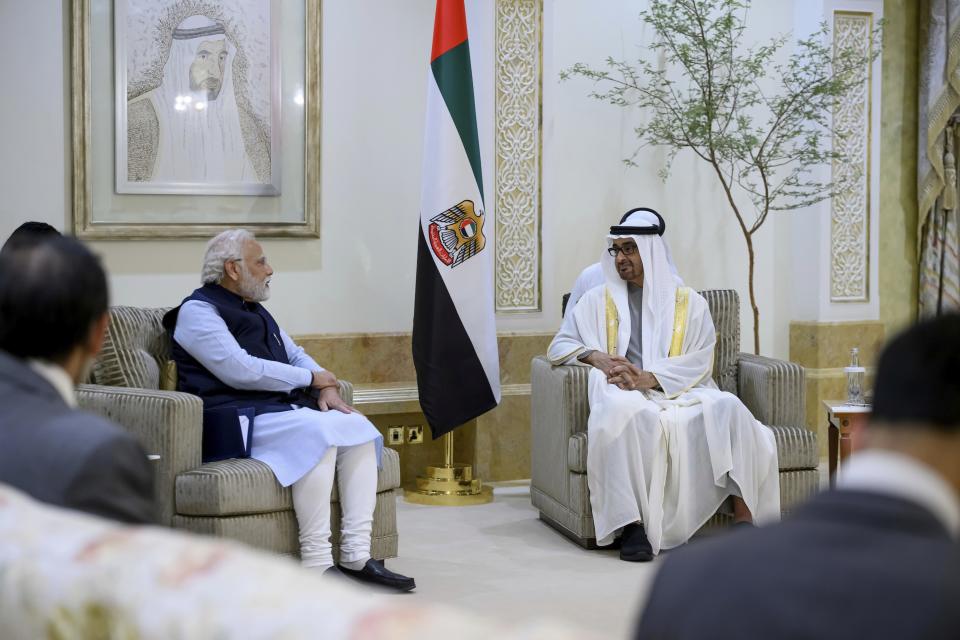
pixel 876 558
pixel 53 316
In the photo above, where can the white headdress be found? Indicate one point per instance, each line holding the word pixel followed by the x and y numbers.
pixel 660 282
pixel 200 140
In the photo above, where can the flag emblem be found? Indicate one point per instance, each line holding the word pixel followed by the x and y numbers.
pixel 456 235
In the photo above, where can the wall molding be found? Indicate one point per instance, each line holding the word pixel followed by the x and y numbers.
pixel 376 400
pixel 850 209
pixel 518 142
pixel 836 372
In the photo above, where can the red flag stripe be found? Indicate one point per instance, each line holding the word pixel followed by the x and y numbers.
pixel 449 27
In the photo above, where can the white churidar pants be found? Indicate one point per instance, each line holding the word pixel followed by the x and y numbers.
pixel 356 471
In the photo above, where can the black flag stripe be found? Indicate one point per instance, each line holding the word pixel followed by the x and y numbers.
pixel 453 385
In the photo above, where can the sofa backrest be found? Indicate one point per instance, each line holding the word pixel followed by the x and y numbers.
pixel 725 310
pixel 135 350
pixel 137 346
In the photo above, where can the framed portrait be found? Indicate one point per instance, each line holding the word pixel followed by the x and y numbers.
pixel 194 116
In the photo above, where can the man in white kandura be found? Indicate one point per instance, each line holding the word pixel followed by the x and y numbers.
pixel 666 446
pixel 230 351
pixel 592 275
pixel 188 129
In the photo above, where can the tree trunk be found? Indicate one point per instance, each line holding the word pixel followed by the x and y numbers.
pixel 753 297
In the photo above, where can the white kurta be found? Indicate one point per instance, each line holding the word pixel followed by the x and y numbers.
pixel 670 458
pixel 290 442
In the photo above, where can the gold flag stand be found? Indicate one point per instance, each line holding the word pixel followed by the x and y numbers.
pixel 450 485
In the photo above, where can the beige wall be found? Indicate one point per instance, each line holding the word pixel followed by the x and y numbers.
pixel 358 277
pixel 372 131
pixel 823 347
pixel 898 165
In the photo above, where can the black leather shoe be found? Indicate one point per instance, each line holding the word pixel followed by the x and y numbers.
pixel 634 545
pixel 375 573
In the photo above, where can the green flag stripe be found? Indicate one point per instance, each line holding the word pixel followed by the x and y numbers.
pixel 454 78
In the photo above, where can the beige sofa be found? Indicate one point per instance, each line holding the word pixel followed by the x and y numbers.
pixel 773 390
pixel 238 498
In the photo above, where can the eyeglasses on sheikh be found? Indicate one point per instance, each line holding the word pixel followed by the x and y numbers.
pixel 627 250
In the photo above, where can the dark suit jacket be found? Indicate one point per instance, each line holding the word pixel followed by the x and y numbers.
pixel 848 564
pixel 66 457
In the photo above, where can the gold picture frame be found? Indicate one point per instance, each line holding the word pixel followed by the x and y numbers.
pixel 100 212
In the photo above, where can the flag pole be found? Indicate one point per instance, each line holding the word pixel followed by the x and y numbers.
pixel 454 344
pixel 449 485
pixel 448 449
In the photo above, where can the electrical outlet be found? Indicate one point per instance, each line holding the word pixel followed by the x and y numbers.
pixel 395 436
pixel 415 434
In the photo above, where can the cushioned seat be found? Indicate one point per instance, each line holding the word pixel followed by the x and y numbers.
pixel 239 498
pixel 773 390
pixel 244 485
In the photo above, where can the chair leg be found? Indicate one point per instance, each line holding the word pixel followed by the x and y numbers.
pixel 586 543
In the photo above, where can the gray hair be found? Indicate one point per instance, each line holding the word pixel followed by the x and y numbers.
pixel 225 246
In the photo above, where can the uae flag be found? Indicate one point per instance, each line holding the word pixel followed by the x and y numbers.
pixel 454 334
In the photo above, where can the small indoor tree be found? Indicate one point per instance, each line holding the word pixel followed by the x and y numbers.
pixel 761 124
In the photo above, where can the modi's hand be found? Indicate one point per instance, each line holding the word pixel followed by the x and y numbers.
pixel 323 379
pixel 330 399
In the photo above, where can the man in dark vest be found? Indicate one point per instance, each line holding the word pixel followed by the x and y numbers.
pixel 876 558
pixel 254 379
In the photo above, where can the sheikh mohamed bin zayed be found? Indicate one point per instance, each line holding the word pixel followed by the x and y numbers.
pixel 667 447
pixel 189 128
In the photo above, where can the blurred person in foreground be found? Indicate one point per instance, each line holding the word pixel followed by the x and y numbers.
pixel 53 317
pixel 29 234
pixel 876 558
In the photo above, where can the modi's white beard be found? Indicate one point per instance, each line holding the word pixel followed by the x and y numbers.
pixel 250 288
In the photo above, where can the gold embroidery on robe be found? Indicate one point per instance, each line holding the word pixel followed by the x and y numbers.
pixel 680 321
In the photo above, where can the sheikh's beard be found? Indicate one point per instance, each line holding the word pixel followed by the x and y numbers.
pixel 252 290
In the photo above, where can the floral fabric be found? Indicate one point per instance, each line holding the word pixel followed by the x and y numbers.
pixel 64 575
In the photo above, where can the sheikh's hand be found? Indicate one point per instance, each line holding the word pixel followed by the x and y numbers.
pixel 629 377
pixel 605 362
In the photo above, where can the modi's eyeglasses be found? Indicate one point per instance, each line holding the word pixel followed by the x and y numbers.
pixel 626 249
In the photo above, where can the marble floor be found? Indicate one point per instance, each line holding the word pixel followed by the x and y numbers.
pixel 500 560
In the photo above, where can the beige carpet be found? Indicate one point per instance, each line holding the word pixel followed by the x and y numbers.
pixel 500 560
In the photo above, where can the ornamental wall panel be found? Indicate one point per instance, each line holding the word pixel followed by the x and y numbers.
pixel 518 79
pixel 850 209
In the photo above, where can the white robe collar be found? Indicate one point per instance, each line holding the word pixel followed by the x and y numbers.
pixel 58 379
pixel 660 282
pixel 900 475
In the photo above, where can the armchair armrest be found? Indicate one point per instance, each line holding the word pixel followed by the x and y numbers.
pixel 559 408
pixel 168 423
pixel 774 390
pixel 346 391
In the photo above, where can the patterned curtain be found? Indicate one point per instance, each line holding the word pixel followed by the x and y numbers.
pixel 939 128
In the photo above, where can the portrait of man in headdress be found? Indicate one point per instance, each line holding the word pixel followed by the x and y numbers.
pixel 198 129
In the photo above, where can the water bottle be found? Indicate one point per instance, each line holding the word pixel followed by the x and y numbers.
pixel 855 374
